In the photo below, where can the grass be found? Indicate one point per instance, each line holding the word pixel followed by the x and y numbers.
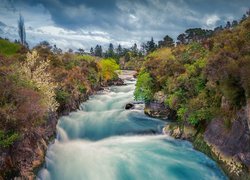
pixel 7 48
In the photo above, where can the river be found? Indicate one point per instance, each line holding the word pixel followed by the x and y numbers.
pixel 103 141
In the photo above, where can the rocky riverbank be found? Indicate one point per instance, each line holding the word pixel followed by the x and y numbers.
pixel 26 155
pixel 229 147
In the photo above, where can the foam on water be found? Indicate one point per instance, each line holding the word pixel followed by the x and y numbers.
pixel 105 141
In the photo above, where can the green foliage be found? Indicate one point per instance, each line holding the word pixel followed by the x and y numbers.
pixel 144 87
pixel 108 68
pixel 182 113
pixel 82 88
pixel 62 96
pixel 7 48
pixel 7 140
pixel 87 58
pixel 196 76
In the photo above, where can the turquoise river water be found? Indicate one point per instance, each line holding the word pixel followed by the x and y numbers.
pixel 103 141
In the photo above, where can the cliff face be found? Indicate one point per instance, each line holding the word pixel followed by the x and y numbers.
pixel 231 145
pixel 28 153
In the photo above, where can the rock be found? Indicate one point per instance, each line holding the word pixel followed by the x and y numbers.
pixel 159 110
pixel 186 133
pixel 117 82
pixel 129 106
pixel 231 141
pixel 248 112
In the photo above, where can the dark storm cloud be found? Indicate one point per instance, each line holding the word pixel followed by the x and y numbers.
pixel 129 21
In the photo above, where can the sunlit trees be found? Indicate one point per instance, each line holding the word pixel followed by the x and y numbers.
pixel 108 68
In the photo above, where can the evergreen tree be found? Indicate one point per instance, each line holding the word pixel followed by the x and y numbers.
pixel 149 46
pixel 98 50
pixel 92 51
pixel 119 51
pixel 134 50
pixel 110 53
pixel 21 30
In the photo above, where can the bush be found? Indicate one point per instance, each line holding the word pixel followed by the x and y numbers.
pixel 7 140
pixel 144 87
pixel 36 71
pixel 62 96
pixel 108 68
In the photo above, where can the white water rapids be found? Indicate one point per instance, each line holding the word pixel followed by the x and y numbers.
pixel 103 141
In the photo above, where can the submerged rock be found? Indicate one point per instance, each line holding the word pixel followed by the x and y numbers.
pixel 129 106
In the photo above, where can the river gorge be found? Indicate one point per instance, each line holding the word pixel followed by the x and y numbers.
pixel 102 140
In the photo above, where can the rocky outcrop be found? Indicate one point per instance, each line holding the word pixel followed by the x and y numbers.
pixel 186 132
pixel 159 110
pixel 231 145
pixel 116 82
pixel 27 154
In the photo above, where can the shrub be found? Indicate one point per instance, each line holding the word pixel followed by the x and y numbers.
pixel 7 140
pixel 108 68
pixel 144 87
pixel 37 72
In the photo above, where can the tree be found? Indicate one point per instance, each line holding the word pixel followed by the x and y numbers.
pixel 56 50
pixel 92 51
pixel 21 30
pixel 228 25
pixel 119 50
pixel 110 53
pixel 167 42
pixel 98 50
pixel 80 51
pixel 144 87
pixel 108 69
pixel 149 46
pixel 181 39
pixel 134 50
pixel 37 73
pixel 234 23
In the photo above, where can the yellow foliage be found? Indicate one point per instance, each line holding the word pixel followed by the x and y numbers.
pixel 37 73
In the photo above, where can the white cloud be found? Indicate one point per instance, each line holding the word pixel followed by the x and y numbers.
pixel 211 20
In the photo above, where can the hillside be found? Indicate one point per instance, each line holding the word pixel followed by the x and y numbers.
pixel 207 85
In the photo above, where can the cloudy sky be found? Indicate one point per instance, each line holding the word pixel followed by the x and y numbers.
pixel 85 23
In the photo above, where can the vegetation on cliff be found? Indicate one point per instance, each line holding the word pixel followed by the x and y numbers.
pixel 35 84
pixel 197 76
pixel 205 79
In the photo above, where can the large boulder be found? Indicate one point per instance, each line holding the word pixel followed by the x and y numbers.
pixel 159 110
